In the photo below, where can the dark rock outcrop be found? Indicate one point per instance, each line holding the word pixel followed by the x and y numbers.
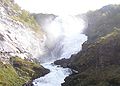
pixel 65 62
pixel 98 64
pixel 102 21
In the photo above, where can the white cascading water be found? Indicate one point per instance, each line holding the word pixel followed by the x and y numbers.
pixel 71 43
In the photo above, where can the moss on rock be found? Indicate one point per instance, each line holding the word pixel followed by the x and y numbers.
pixel 98 64
pixel 28 69
pixel 19 72
pixel 14 11
pixel 9 77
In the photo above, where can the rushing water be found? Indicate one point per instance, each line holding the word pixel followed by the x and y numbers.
pixel 54 78
pixel 70 44
pixel 57 74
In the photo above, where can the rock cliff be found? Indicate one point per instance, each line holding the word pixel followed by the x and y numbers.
pixel 21 41
pixel 98 64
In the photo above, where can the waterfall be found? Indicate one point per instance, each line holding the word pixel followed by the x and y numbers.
pixel 66 43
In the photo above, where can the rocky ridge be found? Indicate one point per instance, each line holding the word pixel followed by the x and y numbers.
pixel 98 63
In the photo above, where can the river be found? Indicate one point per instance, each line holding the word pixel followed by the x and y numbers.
pixel 70 44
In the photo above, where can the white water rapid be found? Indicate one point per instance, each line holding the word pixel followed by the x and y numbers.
pixel 70 44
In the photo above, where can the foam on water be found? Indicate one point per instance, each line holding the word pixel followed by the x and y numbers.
pixel 57 74
pixel 71 43
pixel 54 78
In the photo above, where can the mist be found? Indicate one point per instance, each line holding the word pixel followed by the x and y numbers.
pixel 63 38
pixel 62 33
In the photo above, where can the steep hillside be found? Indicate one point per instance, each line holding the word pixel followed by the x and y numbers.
pixel 21 41
pixel 20 72
pixel 98 64
pixel 19 30
pixel 102 21
pixel 11 9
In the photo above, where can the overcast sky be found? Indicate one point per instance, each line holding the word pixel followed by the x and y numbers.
pixel 63 7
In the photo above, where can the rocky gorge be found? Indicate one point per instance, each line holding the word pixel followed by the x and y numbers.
pixel 30 42
pixel 98 63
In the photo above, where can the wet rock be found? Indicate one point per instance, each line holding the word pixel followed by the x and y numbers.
pixel 28 70
pixel 63 62
pixel 98 64
pixel 95 61
pixel 2 37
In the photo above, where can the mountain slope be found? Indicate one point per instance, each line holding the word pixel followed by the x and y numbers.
pixel 21 41
pixel 102 21
pixel 98 64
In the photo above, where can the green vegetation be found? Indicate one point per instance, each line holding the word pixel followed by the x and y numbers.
pixel 9 77
pixel 109 36
pixel 98 64
pixel 19 71
pixel 27 19
pixel 15 12
pixel 26 69
pixel 108 76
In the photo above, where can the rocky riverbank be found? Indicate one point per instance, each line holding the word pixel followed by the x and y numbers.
pixel 20 71
pixel 21 42
pixel 98 64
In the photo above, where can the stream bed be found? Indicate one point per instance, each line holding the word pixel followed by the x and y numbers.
pixel 71 43
pixel 54 78
pixel 57 74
